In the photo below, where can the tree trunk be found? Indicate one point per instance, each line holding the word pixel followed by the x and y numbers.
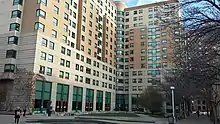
pixel 188 108
pixel 214 113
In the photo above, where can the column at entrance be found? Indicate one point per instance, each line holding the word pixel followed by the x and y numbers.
pixel 130 102
pixel 84 99
pixel 53 95
pixel 94 100
pixel 70 99
pixel 103 104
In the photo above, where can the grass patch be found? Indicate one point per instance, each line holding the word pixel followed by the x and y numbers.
pixel 112 114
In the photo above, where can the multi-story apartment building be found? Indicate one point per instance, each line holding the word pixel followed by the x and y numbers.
pixel 71 43
pixel 74 46
pixel 143 49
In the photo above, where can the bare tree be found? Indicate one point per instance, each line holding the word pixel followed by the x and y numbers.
pixel 196 61
pixel 22 90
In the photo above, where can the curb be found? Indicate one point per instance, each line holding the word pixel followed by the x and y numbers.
pixel 82 118
pixel 68 120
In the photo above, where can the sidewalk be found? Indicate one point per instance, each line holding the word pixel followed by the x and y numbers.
pixel 195 120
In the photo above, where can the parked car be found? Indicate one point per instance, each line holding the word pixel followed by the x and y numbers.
pixel 194 112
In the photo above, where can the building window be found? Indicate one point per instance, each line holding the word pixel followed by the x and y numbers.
pixel 55 21
pixel 64 39
pixel 140 11
pixel 44 2
pixel 16 2
pixel 16 14
pixel 43 56
pixel 50 58
pixel 76 77
pixel 164 41
pixel 68 52
pixel 41 13
pixel 68 64
pixel 54 33
pixel 88 80
pixel 164 34
pixel 77 67
pixel 56 9
pixel 11 54
pixel 66 16
pixel 51 45
pixel 61 74
pixel 44 42
pixel 77 56
pixel 75 5
pixel 150 10
pixel 42 69
pixel 63 50
pixel 74 15
pixel 134 88
pixel 9 68
pixel 13 40
pixel 82 48
pixel 65 28
pixel 81 79
pixel 89 51
pixel 88 70
pixel 135 12
pixel 150 16
pixel 73 24
pixel 83 28
pixel 14 27
pixel 62 62
pixel 84 18
pixel 67 75
pixel 49 71
pixel 39 26
pixel 67 5
pixel 140 88
pixel 140 17
pixel 88 60
pixel 135 19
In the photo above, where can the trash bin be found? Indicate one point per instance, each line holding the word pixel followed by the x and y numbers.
pixel 170 120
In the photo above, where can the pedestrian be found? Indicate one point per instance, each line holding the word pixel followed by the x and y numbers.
pixel 24 112
pixel 17 115
pixel 170 119
pixel 198 113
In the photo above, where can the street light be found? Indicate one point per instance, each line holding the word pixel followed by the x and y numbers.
pixel 173 105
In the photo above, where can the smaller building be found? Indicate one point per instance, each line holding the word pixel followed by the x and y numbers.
pixel 199 103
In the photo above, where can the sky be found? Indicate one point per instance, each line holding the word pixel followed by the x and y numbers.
pixel 140 2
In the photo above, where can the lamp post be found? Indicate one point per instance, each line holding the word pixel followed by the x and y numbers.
pixel 173 105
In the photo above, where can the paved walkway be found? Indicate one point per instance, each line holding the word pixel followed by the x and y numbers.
pixel 195 120
pixel 9 119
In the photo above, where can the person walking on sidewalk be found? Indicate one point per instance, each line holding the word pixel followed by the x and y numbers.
pixel 17 115
pixel 198 113
pixel 24 112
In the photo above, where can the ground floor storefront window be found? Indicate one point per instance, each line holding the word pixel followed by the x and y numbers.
pixel 43 95
pixel 99 100
pixel 77 98
pixel 107 101
pixel 122 101
pixel 62 98
pixel 89 99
